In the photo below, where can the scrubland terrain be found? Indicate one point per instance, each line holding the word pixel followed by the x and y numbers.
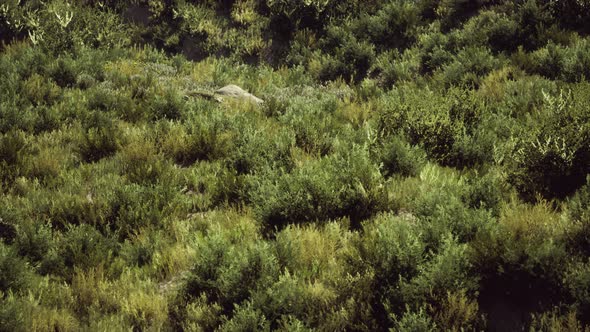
pixel 416 165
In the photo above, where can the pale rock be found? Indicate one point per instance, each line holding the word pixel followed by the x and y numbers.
pixel 234 91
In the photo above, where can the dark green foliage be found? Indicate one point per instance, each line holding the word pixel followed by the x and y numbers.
pixel 15 274
pixel 258 149
pixel 82 247
pixel 335 186
pixel 63 73
pixel 314 127
pixel 434 51
pixel 414 321
pixel 576 281
pixel 553 159
pixel 468 66
pixel 445 126
pixel 393 26
pixel 135 207
pixel 498 31
pixel 534 18
pixel 486 192
pixel 99 139
pixel 98 143
pixel 350 60
pixel 10 318
pixel 13 149
pixel 571 64
pixel 398 157
pixel 231 279
pixel 201 137
pixel 34 240
pixel 41 91
pixel 169 106
pixel 579 212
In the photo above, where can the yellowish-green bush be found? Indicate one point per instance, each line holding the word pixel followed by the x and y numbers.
pixel 41 91
pixel 554 321
pixel 313 253
pixel 457 312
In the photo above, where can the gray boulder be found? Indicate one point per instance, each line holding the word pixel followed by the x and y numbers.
pixel 234 91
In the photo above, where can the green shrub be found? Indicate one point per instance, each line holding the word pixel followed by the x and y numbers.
pixel 579 213
pixel 83 247
pixel 41 91
pixel 332 187
pixel 169 105
pixel 552 154
pixel 434 50
pixel 211 185
pixel 495 30
pixel 104 97
pixel 13 150
pixel 257 149
pixel 443 125
pixel 200 138
pixel 199 314
pixel 98 143
pixel 519 96
pixel 231 263
pixel 246 318
pixel 449 270
pixel 382 184
pixel 350 60
pixel 312 252
pixel 58 27
pixel 394 68
pixel 314 129
pixel 468 66
pixel 135 207
pixel 534 19
pixel 520 260
pixel 291 297
pixel 15 273
pixel 486 191
pixel 14 117
pixel 141 163
pixel 34 240
pixel 548 61
pixel 63 72
pixel 568 63
pixel 100 138
pixel 458 312
pixel 413 321
pixel 392 27
pixel 392 247
pixel 576 281
pixel 556 321
pixel 11 309
pixel 398 157
pixel 27 313
pixel 62 209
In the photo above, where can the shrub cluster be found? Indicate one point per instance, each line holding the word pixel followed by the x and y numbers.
pixel 415 166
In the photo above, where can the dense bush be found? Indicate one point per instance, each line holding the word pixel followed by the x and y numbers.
pixel 553 159
pixel 16 274
pixel 335 186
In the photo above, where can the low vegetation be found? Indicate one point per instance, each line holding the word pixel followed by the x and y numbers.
pixel 416 165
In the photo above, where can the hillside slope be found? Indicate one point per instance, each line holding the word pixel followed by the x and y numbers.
pixel 415 166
